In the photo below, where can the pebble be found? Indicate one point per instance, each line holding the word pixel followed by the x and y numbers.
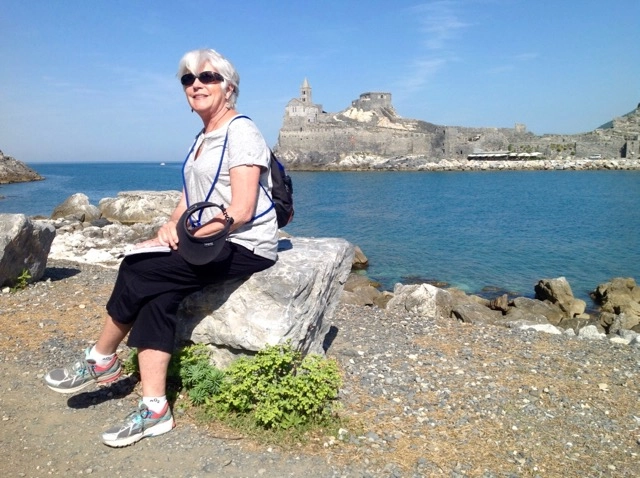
pixel 421 397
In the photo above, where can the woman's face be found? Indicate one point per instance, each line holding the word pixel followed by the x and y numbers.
pixel 206 99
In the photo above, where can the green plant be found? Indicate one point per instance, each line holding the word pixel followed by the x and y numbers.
pixel 22 281
pixel 279 387
pixel 189 369
pixel 201 379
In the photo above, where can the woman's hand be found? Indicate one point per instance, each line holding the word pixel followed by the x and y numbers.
pixel 167 235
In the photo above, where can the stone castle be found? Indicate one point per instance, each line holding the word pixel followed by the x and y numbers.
pixel 311 138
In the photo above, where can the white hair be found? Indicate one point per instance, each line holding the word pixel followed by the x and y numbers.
pixel 194 60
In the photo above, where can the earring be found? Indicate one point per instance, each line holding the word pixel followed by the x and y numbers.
pixel 192 110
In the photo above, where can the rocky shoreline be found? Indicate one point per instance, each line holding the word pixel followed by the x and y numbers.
pixel 422 396
pixel 14 171
pixel 368 162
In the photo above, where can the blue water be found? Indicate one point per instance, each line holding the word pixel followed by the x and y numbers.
pixel 473 230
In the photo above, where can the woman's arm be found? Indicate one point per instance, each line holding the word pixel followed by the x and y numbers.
pixel 244 197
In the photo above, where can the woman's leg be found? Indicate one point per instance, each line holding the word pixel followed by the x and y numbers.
pixel 153 371
pixel 112 334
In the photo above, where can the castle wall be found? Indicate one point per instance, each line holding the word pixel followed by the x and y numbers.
pixel 311 138
pixel 320 144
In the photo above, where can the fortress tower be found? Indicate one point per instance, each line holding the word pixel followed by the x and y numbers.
pixel 302 109
pixel 305 92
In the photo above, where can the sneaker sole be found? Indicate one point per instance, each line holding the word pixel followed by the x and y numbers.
pixel 104 379
pixel 159 429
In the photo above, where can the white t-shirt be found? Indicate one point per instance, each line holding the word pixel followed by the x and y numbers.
pixel 245 146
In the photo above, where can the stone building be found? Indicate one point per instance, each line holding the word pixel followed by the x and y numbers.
pixel 370 129
pixel 303 109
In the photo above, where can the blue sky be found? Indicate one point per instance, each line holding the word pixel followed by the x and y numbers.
pixel 95 81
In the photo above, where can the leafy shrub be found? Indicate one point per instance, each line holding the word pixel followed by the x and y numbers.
pixel 201 379
pixel 189 368
pixel 279 387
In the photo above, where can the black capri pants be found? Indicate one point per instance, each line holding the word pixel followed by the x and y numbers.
pixel 150 287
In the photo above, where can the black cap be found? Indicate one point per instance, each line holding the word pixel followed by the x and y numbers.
pixel 201 250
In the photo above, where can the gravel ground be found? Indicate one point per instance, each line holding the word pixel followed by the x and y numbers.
pixel 422 398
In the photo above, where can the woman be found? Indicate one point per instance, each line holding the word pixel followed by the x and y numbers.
pixel 227 164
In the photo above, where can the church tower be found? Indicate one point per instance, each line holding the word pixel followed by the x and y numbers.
pixel 305 93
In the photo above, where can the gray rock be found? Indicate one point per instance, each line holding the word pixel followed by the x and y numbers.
pixel 547 328
pixel 421 299
pixel 77 206
pixel 292 300
pixel 530 316
pixel 533 308
pixel 24 245
pixel 590 332
pixel 139 206
pixel 473 312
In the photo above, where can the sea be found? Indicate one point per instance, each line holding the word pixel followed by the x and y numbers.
pixel 486 233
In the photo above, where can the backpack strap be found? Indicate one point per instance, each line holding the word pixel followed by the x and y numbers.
pixel 215 179
pixel 261 186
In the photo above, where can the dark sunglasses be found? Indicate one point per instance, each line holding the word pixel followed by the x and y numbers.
pixel 206 78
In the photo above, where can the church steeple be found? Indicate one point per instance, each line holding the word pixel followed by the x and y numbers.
pixel 305 92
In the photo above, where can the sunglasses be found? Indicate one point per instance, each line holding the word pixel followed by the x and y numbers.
pixel 206 78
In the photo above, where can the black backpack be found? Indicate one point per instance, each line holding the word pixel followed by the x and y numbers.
pixel 281 192
pixel 282 187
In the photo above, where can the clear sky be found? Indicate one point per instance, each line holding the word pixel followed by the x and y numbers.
pixel 95 81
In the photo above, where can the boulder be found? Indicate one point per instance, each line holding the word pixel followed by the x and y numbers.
pixel 422 300
pixel 24 245
pixel 360 261
pixel 535 311
pixel 139 206
pixel 474 312
pixel 620 296
pixel 290 301
pixel 360 290
pixel 529 316
pixel 77 206
pixel 558 291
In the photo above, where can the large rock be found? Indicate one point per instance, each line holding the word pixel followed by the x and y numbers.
pixel 360 290
pixel 619 297
pixel 24 245
pixel 422 300
pixel 535 311
pixel 77 206
pixel 472 312
pixel 139 206
pixel 289 301
pixel 558 291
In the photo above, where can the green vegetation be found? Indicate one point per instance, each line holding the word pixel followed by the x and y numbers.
pixel 22 281
pixel 561 147
pixel 521 148
pixel 277 389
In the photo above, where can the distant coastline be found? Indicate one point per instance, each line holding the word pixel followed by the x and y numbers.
pixel 14 171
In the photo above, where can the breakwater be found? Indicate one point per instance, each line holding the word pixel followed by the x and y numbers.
pixel 367 162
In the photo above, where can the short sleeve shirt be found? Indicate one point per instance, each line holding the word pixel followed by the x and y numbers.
pixel 245 146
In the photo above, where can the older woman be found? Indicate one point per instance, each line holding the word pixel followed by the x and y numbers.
pixel 228 164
